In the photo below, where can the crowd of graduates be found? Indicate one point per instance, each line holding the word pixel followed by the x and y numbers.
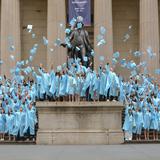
pixel 142 111
pixel 73 81
pixel 17 112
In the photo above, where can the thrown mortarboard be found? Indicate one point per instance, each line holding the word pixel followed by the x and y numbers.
pixel 29 27
pixel 30 58
pixel 64 65
pixel 45 41
pixel 114 61
pixel 67 31
pixel 33 51
pixel 11 48
pixel 123 62
pixel 92 53
pixel 102 30
pixel 57 42
pixel 101 42
pixel 61 25
pixel 1 62
pixel 72 22
pixel 99 37
pixel 79 25
pixel 78 49
pixel 116 55
pixel 59 68
pixel 33 35
pixel 101 58
pixel 130 27
pixel 27 61
pixel 126 37
pixel 12 57
pixel 137 53
pixel 133 73
pixel 157 71
pixel 51 49
pixel 85 59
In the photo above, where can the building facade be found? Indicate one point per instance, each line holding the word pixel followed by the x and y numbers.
pixel 47 15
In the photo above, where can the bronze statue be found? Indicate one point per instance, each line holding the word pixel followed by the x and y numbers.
pixel 78 42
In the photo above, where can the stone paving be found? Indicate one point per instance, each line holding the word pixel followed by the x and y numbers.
pixel 81 152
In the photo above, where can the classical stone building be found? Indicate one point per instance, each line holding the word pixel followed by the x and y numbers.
pixel 46 16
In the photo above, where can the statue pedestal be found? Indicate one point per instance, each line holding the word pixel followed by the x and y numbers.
pixel 80 123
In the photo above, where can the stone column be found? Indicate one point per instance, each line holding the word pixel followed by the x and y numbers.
pixel 56 15
pixel 10 31
pixel 149 32
pixel 103 17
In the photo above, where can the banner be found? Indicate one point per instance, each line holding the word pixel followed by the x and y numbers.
pixel 80 8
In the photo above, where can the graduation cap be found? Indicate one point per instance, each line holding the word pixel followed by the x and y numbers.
pixel 51 49
pixel 101 58
pixel 1 62
pixel 33 35
pixel 85 58
pixel 130 27
pixel 27 61
pixel 102 30
pixel 126 37
pixel 12 57
pixel 137 53
pixel 114 61
pixel 61 25
pixel 59 68
pixel 72 22
pixel 78 49
pixel 116 55
pixel 99 37
pixel 29 27
pixel 79 25
pixel 11 48
pixel 143 64
pixel 45 41
pixel 157 71
pixel 57 42
pixel 33 51
pixel 123 62
pixel 30 58
pixel 67 31
pixel 133 73
pixel 64 65
pixel 101 42
pixel 92 53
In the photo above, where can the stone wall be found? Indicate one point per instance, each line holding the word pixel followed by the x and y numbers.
pixel 80 123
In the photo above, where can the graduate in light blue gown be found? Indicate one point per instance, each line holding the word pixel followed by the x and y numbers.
pixel 10 119
pixel 31 120
pixel 102 90
pixel 45 81
pixel 52 89
pixel 71 84
pixel 77 87
pixel 63 85
pixel 139 123
pixel 2 124
pixel 96 87
pixel 128 123
pixel 147 122
pixel 154 123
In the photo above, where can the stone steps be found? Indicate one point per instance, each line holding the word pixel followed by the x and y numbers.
pixel 7 142
pixel 142 142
